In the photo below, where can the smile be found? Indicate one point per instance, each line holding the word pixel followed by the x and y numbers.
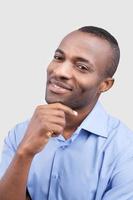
pixel 58 87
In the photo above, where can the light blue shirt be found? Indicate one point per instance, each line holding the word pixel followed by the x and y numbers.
pixel 96 163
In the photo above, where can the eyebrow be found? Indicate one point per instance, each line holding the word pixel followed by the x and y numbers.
pixel 59 51
pixel 78 58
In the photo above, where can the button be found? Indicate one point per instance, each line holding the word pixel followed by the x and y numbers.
pixel 54 176
pixel 63 147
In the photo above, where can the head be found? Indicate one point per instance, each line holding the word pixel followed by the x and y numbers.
pixel 82 68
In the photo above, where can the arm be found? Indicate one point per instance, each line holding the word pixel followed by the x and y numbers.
pixel 46 118
pixel 13 183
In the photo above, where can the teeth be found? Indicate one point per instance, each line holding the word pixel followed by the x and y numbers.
pixel 56 86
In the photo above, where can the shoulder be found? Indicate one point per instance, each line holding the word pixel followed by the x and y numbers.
pixel 16 134
pixel 120 137
pixel 119 129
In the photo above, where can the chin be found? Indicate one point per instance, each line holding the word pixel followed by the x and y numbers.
pixel 50 100
pixel 54 98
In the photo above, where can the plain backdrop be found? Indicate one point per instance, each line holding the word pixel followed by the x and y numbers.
pixel 30 31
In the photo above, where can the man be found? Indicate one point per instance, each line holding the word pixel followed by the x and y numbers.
pixel 71 149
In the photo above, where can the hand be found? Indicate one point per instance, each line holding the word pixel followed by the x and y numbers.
pixel 46 121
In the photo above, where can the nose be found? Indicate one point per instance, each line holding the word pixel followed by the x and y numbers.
pixel 63 70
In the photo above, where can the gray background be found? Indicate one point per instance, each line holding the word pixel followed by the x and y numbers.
pixel 29 33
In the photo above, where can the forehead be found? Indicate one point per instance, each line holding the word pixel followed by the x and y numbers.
pixel 88 46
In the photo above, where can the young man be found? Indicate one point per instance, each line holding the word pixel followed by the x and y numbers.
pixel 71 149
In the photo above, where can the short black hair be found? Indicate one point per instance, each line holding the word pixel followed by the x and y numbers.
pixel 102 33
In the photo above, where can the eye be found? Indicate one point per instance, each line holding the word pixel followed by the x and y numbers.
pixel 58 57
pixel 82 67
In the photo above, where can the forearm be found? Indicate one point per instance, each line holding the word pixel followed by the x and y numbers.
pixel 13 183
pixel 46 120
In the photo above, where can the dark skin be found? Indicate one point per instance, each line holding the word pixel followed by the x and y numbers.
pixel 75 81
pixel 81 68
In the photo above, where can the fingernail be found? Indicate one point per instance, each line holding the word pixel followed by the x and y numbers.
pixel 75 113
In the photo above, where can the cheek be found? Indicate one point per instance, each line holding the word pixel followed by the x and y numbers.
pixel 89 86
pixel 50 68
pixel 89 82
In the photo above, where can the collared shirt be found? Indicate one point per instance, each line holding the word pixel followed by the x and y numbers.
pixel 96 163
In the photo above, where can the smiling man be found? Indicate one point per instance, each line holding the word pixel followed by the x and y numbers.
pixel 72 149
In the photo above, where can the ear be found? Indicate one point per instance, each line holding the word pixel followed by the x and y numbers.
pixel 106 84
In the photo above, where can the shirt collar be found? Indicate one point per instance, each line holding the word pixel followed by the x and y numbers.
pixel 96 122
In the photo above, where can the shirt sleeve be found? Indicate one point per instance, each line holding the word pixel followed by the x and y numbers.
pixel 8 151
pixel 121 183
pixel 11 144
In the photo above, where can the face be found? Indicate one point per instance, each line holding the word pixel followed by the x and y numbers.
pixel 75 74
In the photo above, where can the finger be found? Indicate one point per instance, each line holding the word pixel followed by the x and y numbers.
pixel 52 112
pixel 55 120
pixel 65 108
pixel 55 130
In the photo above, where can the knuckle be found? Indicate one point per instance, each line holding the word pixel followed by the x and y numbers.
pixel 38 116
pixel 62 114
pixel 39 107
pixel 63 122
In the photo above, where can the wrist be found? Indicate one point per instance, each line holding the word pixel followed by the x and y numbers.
pixel 24 153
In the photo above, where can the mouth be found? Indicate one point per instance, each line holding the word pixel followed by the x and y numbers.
pixel 58 87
